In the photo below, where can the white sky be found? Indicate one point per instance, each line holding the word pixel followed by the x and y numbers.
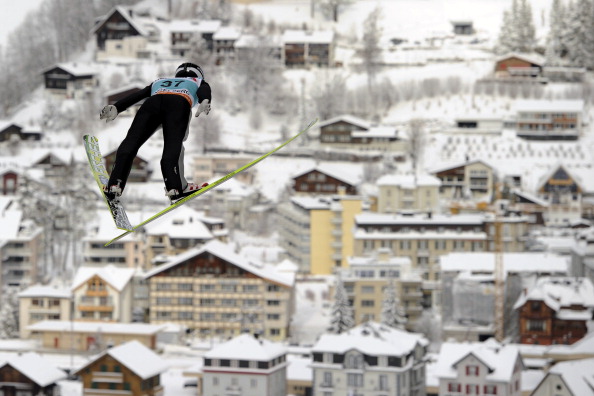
pixel 13 13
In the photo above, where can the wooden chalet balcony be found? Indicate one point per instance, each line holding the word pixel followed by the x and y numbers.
pixel 110 377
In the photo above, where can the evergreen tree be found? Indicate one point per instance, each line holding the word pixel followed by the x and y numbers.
pixel 525 27
pixel 9 313
pixel 342 313
pixel 578 34
pixel 517 32
pixel 555 49
pixel 393 314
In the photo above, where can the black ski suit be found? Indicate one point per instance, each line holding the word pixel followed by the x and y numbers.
pixel 168 104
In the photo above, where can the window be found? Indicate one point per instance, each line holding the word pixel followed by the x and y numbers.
pixel 535 325
pixel 490 390
pixel 367 303
pixel 355 380
pixel 472 370
pixel 454 387
pixel 472 389
pixel 383 382
pixel 535 306
pixel 327 379
pixel 367 289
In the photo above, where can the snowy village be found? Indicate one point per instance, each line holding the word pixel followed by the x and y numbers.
pixel 431 234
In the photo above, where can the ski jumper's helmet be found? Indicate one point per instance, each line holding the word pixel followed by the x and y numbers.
pixel 189 70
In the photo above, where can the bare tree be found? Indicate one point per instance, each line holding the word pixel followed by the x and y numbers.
pixel 416 143
pixel 333 7
pixel 371 52
pixel 329 96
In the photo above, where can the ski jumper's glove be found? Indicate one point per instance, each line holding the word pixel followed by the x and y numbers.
pixel 108 113
pixel 204 107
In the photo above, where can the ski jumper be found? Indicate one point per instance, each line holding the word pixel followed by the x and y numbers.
pixel 168 104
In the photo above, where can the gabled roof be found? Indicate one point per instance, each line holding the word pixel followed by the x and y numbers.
pixel 559 292
pixel 117 277
pixel 408 181
pixel 227 33
pixel 36 368
pixel 125 13
pixel 348 119
pixel 246 347
pixel 499 359
pixel 225 252
pixel 547 176
pixel 344 174
pixel 305 36
pixel 460 164
pixel 577 375
pixel 532 58
pixel 74 68
pixel 136 357
pixel 45 291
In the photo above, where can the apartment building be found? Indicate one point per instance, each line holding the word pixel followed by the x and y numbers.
pixel 39 302
pixel 346 132
pixel 486 368
pixel 370 359
pixel 425 237
pixel 556 310
pixel 474 179
pixel 316 232
pixel 365 281
pixel 549 119
pixel 103 294
pixel 20 248
pixel 216 291
pixel 399 193
pixel 247 366
pixel 308 48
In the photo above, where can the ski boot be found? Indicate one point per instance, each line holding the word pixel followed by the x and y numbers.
pixel 175 196
pixel 112 193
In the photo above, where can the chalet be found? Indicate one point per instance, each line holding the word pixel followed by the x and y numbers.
pixel 216 291
pixel 126 369
pixel 186 34
pixel 518 66
pixel 119 34
pixel 572 378
pixel 29 374
pixel 306 48
pixel 10 131
pixel 485 368
pixel 549 120
pixel 141 168
pixel 326 179
pixel 224 40
pixel 471 179
pixel 69 80
pixel 103 293
pixel 348 132
pixel 562 190
pixel 556 310
pixel 119 93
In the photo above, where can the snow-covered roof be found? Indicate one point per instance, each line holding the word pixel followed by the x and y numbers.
pixel 408 181
pixel 75 68
pixel 577 375
pixel 95 327
pixel 138 358
pixel 117 277
pixel 348 174
pixel 530 197
pixel 306 36
pixel 225 252
pixel 11 222
pixel 548 106
pixel 227 33
pixel 584 346
pixel 500 359
pixel 247 347
pixel 184 222
pixel 371 338
pixel 36 368
pixel 348 119
pixel 299 369
pixel 377 132
pixel 393 219
pixel 532 58
pixel 255 41
pixel 124 11
pixel 484 262
pixel 459 165
pixel 45 291
pixel 559 292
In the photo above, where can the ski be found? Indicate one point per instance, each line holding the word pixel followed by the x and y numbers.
pixel 101 176
pixel 212 185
